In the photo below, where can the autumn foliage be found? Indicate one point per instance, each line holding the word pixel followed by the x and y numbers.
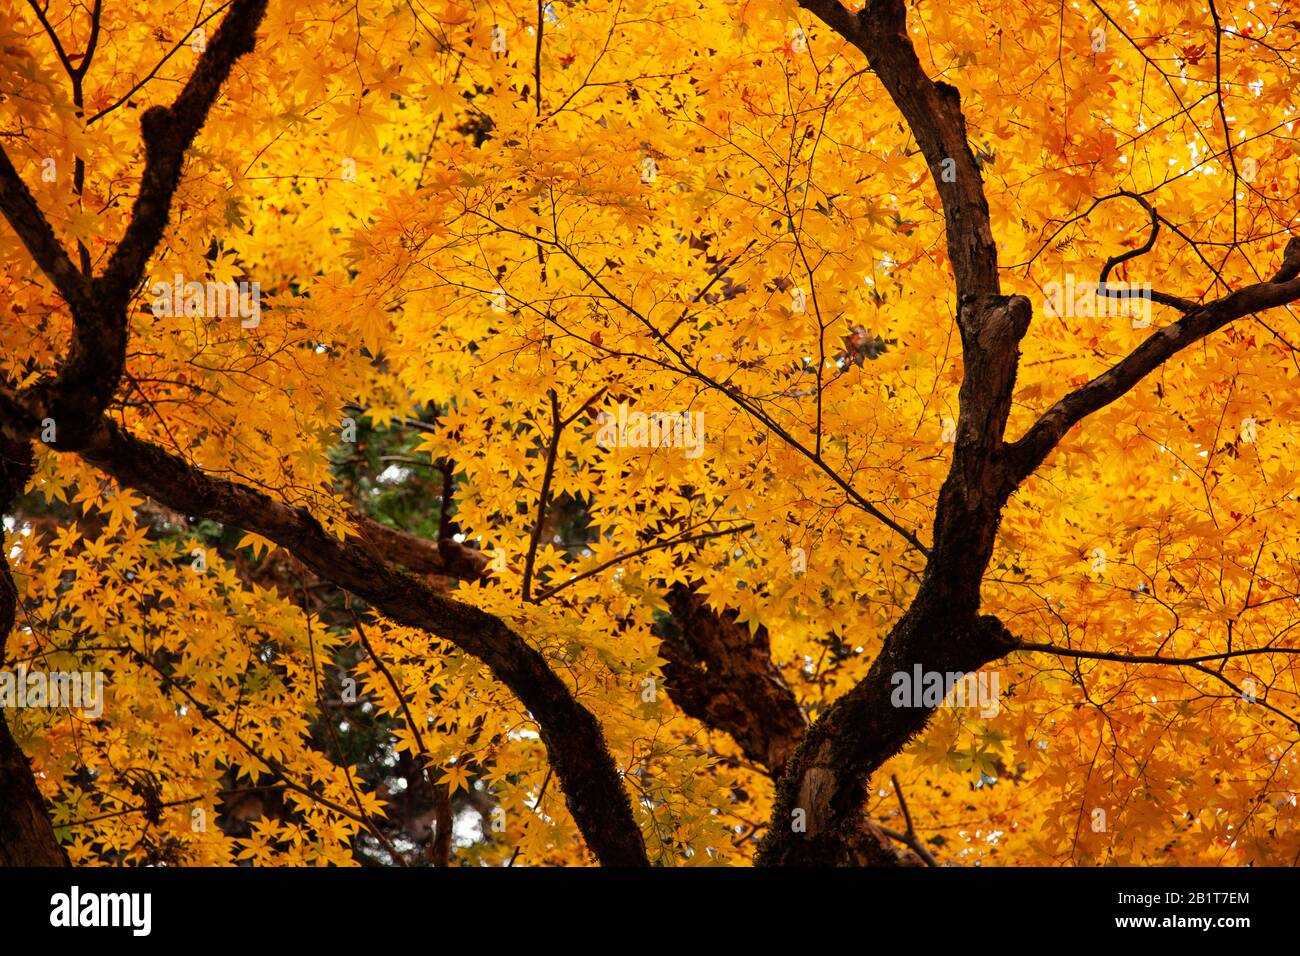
pixel 626 381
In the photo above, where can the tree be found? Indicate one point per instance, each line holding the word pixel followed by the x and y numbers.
pixel 711 433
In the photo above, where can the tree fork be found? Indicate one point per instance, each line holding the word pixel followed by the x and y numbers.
pixel 942 630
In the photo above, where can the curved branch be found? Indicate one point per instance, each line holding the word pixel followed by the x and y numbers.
pixel 1028 452
pixel 21 210
pixel 1182 305
pixel 592 785
pixel 933 113
pixel 168 133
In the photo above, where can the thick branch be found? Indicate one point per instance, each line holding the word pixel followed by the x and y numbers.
pixel 824 789
pixel 446 557
pixel 825 784
pixel 724 677
pixel 592 786
pixel 933 113
pixel 168 133
pixel 24 215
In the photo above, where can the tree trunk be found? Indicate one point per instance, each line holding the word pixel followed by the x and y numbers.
pixel 26 833
pixel 819 803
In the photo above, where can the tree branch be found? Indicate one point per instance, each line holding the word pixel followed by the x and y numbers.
pixel 933 113
pixel 24 215
pixel 168 133
pixel 723 676
pixel 942 630
pixel 592 785
pixel 1028 452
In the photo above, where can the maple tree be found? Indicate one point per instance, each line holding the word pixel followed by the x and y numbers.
pixel 633 400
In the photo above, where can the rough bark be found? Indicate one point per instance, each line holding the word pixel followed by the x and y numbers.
pixel 825 786
pixel 720 674
pixel 830 771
